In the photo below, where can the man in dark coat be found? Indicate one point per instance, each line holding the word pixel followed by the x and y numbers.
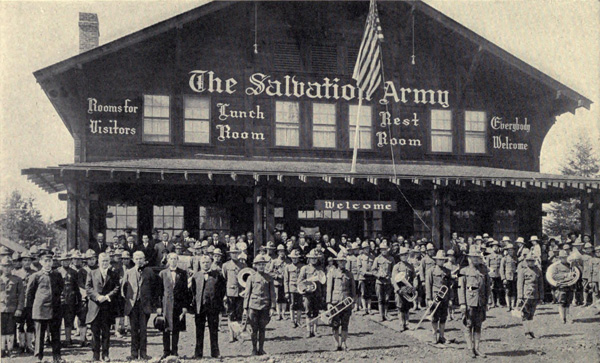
pixel 99 245
pixel 147 246
pixel 208 290
pixel 102 287
pixel 43 297
pixel 175 300
pixel 139 290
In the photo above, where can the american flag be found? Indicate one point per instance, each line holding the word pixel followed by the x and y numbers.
pixel 367 70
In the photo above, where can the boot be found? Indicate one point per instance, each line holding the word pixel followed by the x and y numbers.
pixel 469 341
pixel 476 339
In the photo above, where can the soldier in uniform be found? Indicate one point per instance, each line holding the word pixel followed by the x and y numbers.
pixel 453 267
pixel 435 278
pixel 235 302
pixel 259 303
pixel 352 265
pixel 365 279
pixel 473 291
pixel 493 262
pixel 43 297
pixel 312 300
pixel 404 267
pixel 290 286
pixel 508 273
pixel 25 325
pixel 70 299
pixel 564 293
pixel 275 268
pixel 530 290
pixel 340 285
pixel 12 303
pixel 382 270
pixel 586 273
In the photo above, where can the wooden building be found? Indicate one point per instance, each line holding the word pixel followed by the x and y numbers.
pixel 240 116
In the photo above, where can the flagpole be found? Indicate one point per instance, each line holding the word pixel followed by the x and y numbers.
pixel 355 152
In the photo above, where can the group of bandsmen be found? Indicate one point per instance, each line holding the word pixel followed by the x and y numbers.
pixel 119 284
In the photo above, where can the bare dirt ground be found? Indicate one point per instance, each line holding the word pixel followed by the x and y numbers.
pixel 370 340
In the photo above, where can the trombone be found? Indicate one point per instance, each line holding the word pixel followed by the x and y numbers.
pixel 439 297
pixel 330 313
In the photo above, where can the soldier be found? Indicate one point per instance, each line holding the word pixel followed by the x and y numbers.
pixel 290 286
pixel 403 287
pixel 382 269
pixel 259 303
pixel 508 273
pixel 426 263
pixel 586 273
pixel 493 262
pixel 530 290
pixel 564 294
pixel 453 267
pixel 473 291
pixel 25 325
pixel 235 302
pixel 276 267
pixel 435 278
pixel 340 286
pixel 352 265
pixel 70 299
pixel 12 303
pixel 366 280
pixel 311 300
pixel 43 297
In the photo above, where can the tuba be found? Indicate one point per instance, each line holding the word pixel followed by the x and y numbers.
pixel 242 278
pixel 407 291
pixel 569 281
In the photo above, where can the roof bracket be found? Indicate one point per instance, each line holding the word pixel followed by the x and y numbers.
pixel 137 174
pixel 112 173
pixel 256 177
pixel 234 176
pixel 87 173
pixel 162 175
pixel 280 178
pixel 302 178
pixel 326 178
pixel 349 179
pixel 372 180
pixel 185 175
pixel 210 176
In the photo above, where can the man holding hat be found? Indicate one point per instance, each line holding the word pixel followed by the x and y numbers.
pixel 473 291
pixel 365 279
pixel 235 302
pixel 493 261
pixel 25 326
pixel 437 277
pixel 382 270
pixel 70 299
pixel 508 273
pixel 312 299
pixel 43 297
pixel 340 286
pixel 291 271
pixel 276 266
pixel 405 268
pixel 259 303
pixel 530 290
pixel 12 303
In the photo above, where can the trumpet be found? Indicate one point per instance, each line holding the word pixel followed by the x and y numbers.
pixel 407 291
pixel 439 297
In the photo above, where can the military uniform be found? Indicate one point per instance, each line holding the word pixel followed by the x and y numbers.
pixel 473 291
pixel 427 262
pixel 276 267
pixel 409 273
pixel 70 298
pixel 595 275
pixel 352 266
pixel 530 288
pixel 340 285
pixel 259 301
pixel 312 300
pixel 25 322
pixel 12 300
pixel 564 294
pixel 366 280
pixel 435 278
pixel 493 262
pixel 508 274
pixel 586 278
pixel 231 269
pixel 382 270
pixel 290 285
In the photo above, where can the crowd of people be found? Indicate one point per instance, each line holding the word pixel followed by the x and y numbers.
pixel 113 288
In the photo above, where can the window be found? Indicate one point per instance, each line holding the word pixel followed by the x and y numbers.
pixel 365 126
pixel 475 134
pixel 287 123
pixel 156 119
pixel 441 131
pixel 214 219
pixel 373 223
pixel 323 214
pixel 420 218
pixel 168 218
pixel 196 119
pixel 324 125
pixel 120 217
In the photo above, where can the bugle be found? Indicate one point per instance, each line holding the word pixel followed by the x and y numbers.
pixel 439 297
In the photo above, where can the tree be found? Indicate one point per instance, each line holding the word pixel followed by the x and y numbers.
pixel 566 214
pixel 22 222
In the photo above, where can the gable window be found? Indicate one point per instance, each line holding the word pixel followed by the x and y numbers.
pixel 157 124
pixel 196 119
pixel 365 126
pixel 475 132
pixel 441 131
pixel 287 123
pixel 324 125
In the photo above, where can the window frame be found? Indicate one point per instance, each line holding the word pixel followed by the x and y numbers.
pixel 116 216
pixel 170 120
pixel 335 125
pixel 171 231
pixel 351 127
pixel 208 120
pixel 451 131
pixel 288 123
pixel 484 132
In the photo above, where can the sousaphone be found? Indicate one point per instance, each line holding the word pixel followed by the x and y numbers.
pixel 571 280
pixel 242 278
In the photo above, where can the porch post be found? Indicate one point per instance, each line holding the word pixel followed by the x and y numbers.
pixel 586 214
pixel 258 217
pixel 436 206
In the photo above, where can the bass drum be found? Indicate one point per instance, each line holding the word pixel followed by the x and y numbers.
pixel 570 281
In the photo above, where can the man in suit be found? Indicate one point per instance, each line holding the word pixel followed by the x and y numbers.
pixel 102 287
pixel 43 297
pixel 99 245
pixel 138 289
pixel 147 247
pixel 208 290
pixel 162 249
pixel 175 294
pixel 131 245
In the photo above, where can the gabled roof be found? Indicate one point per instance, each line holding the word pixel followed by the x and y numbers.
pixel 212 6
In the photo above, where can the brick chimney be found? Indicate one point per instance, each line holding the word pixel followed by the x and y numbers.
pixel 89 31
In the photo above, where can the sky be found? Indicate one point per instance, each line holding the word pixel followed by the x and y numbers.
pixel 559 37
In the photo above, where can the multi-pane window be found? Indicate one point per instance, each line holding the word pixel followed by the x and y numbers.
pixel 287 123
pixel 323 214
pixel 365 126
pixel 475 132
pixel 441 131
pixel 196 115
pixel 157 125
pixel 324 125
pixel 168 218
pixel 120 217
pixel 214 219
